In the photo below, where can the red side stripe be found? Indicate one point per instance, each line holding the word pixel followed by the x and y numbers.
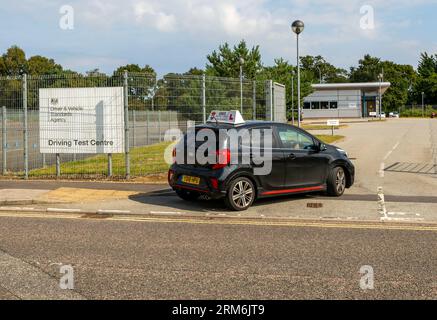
pixel 293 190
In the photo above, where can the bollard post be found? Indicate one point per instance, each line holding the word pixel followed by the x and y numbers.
pixel 126 124
pixel 4 141
pixel 109 164
pixel 25 129
pixel 58 166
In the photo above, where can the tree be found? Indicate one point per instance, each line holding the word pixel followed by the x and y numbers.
pixel 13 62
pixel 318 67
pixel 38 65
pixel 226 61
pixel 427 80
pixel 194 72
pixel 401 78
pixel 367 71
pixel 427 65
pixel 135 68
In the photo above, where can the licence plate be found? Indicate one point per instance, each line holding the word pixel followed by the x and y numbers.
pixel 191 180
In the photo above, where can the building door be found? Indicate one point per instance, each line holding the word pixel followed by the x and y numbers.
pixel 371 107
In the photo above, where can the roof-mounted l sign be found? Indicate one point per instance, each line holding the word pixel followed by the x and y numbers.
pixel 231 117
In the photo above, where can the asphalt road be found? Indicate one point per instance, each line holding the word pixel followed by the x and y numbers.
pixel 163 260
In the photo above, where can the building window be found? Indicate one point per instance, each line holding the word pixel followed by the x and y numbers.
pixel 315 105
pixel 324 105
pixel 307 105
pixel 333 104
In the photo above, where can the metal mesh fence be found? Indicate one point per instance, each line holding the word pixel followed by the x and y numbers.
pixel 154 105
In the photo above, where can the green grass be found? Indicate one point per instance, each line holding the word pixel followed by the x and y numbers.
pixel 329 138
pixel 144 161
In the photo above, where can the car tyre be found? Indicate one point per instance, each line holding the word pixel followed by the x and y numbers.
pixel 240 194
pixel 336 183
pixel 187 195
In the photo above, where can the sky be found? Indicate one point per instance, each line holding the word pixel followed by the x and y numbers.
pixel 175 35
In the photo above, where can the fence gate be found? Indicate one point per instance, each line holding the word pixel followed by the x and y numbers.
pixel 275 102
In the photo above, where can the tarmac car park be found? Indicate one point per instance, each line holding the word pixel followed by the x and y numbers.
pixel 300 163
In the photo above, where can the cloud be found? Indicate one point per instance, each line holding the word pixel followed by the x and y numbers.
pixel 141 28
pixel 150 14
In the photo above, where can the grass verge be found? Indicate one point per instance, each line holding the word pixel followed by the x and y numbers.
pixel 327 138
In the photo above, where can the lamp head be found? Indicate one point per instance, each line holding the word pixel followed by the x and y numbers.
pixel 297 26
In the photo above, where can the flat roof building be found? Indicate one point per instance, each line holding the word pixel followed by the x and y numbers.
pixel 344 100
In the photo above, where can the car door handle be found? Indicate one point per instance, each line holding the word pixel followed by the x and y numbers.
pixel 291 156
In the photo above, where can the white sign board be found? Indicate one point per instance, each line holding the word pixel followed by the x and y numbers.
pixel 231 117
pixel 81 120
pixel 333 122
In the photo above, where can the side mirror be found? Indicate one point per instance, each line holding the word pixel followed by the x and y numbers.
pixel 320 147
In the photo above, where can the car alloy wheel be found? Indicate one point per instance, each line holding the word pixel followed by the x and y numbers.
pixel 242 194
pixel 340 181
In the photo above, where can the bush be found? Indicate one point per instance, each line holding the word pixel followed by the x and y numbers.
pixel 417 112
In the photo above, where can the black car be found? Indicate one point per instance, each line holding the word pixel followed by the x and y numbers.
pixel 300 163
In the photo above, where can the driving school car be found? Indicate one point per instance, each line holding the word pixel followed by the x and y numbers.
pixel 241 161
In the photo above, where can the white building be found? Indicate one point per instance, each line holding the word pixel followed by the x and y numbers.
pixel 344 100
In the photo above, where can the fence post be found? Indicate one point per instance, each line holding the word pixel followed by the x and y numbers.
pixel 271 100
pixel 4 140
pixel 58 166
pixel 254 100
pixel 134 120
pixel 25 129
pixel 159 125
pixel 109 164
pixel 126 124
pixel 204 97
pixel 147 126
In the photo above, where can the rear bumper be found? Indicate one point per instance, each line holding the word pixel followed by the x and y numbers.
pixel 209 184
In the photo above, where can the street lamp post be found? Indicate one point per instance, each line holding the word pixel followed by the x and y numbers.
pixel 241 84
pixel 292 97
pixel 297 27
pixel 423 104
pixel 380 95
pixel 320 74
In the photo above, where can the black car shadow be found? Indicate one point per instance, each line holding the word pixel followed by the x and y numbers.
pixel 169 199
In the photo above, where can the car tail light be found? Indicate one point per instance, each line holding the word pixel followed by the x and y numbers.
pixel 214 183
pixel 170 176
pixel 223 159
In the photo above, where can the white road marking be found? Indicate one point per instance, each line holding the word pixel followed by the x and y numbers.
pixel 381 203
pixel 16 209
pixel 112 211
pixel 401 219
pixel 391 151
pixel 166 212
pixel 63 210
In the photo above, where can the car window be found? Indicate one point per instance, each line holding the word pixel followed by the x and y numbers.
pixel 257 140
pixel 293 139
